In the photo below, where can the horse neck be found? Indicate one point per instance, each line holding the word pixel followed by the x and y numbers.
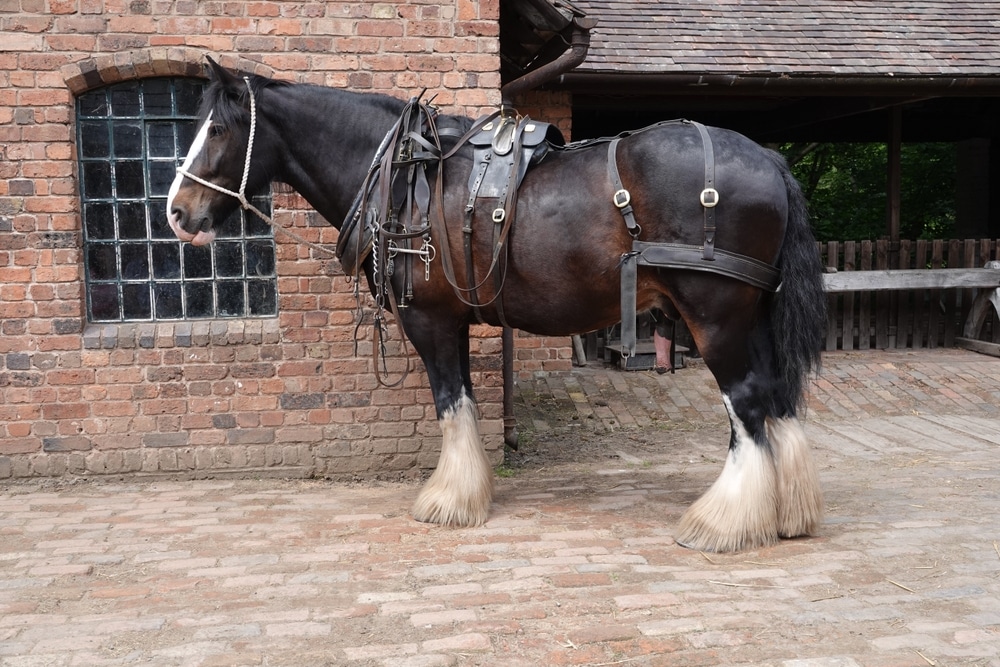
pixel 327 140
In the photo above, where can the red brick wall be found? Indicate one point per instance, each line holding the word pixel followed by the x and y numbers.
pixel 287 394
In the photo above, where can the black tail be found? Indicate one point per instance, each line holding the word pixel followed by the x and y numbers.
pixel 798 314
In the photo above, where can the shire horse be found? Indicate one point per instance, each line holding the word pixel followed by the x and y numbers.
pixel 559 265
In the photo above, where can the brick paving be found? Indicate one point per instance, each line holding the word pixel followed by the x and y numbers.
pixel 576 566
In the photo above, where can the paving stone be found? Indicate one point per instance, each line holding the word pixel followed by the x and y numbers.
pixel 576 565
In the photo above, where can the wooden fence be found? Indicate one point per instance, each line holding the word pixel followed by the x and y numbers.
pixel 906 318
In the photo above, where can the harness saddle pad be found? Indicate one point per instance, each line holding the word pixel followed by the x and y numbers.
pixel 493 161
pixel 494 147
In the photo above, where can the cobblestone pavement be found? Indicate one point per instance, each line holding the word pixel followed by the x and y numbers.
pixel 576 565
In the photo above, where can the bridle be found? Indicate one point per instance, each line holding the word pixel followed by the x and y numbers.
pixel 240 195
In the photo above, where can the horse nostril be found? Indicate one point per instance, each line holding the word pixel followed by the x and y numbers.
pixel 177 218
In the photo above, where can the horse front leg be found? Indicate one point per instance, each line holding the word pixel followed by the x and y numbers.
pixel 460 489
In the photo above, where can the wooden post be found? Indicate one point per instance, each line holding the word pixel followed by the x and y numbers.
pixel 509 421
pixel 894 184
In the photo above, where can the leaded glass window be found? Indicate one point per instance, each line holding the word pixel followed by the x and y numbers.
pixel 131 137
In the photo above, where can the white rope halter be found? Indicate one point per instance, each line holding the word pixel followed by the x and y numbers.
pixel 241 194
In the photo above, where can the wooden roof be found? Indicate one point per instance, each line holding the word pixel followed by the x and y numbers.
pixel 792 38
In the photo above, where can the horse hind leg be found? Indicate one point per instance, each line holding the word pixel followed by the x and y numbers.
pixel 460 489
pixel 769 488
pixel 800 502
pixel 740 510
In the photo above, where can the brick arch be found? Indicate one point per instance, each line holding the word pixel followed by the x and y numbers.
pixel 106 69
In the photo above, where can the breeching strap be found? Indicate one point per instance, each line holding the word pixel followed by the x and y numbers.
pixel 678 255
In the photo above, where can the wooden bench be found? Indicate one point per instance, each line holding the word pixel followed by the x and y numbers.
pixel 986 280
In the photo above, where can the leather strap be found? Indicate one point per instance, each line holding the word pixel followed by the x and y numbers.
pixel 709 196
pixel 621 198
pixel 470 210
pixel 502 222
pixel 630 270
pixel 680 256
pixel 467 295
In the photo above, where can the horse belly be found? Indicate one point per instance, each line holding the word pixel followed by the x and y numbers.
pixel 563 270
pixel 558 290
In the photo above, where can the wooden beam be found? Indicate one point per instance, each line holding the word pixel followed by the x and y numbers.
pixel 982 347
pixel 865 281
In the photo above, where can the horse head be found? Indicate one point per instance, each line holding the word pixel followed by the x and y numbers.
pixel 218 174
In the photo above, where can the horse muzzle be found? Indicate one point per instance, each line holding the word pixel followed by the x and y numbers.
pixel 178 220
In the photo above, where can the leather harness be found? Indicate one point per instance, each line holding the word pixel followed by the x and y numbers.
pixel 678 255
pixel 394 209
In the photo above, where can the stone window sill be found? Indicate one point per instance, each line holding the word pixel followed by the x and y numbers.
pixel 201 333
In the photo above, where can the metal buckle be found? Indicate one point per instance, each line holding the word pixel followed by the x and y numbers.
pixel 709 197
pixel 498 215
pixel 622 198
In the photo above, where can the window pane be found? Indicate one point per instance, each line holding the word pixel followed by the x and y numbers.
pixel 160 140
pixel 228 259
pixel 93 103
pixel 104 302
pixel 263 297
pixel 167 261
pixel 97 180
pixel 161 175
pixel 156 95
pixel 231 227
pixel 125 100
pixel 230 298
pixel 128 139
pixel 188 97
pixel 102 261
pixel 132 220
pixel 199 299
pixel 99 220
pixel 130 179
pixel 260 258
pixel 158 220
pixel 135 261
pixel 168 301
pixel 94 141
pixel 135 299
pixel 197 261
pixel 186 133
pixel 255 225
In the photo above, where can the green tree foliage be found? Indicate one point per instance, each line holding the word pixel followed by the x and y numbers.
pixel 845 184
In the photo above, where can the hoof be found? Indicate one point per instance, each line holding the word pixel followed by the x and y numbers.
pixel 701 530
pixel 436 505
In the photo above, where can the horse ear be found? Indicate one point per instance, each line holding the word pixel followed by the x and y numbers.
pixel 219 73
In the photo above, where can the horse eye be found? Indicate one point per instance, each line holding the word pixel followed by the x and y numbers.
pixel 215 130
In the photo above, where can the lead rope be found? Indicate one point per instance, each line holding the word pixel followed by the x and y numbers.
pixel 241 195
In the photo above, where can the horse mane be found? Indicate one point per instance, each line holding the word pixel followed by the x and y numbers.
pixel 229 110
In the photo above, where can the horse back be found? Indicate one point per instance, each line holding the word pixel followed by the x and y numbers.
pixel 570 193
